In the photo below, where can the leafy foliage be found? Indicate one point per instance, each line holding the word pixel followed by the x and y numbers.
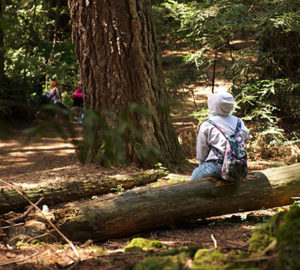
pixel 36 48
pixel 114 138
pixel 259 41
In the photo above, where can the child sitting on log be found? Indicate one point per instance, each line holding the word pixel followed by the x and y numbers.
pixel 213 136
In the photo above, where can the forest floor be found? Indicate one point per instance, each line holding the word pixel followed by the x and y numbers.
pixel 54 160
pixel 31 163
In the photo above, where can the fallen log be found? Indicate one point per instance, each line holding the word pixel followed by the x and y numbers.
pixel 74 190
pixel 141 210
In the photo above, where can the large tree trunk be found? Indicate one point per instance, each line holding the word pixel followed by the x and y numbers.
pixel 52 194
pixel 141 210
pixel 120 65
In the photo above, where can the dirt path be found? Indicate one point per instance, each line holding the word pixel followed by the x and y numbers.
pixel 43 161
pixel 28 158
pixel 34 162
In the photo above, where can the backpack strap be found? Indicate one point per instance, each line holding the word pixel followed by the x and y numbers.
pixel 214 149
pixel 217 127
pixel 238 127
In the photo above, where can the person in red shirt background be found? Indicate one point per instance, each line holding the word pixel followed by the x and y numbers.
pixel 77 107
pixel 77 96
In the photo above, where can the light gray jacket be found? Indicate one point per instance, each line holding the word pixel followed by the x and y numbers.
pixel 220 106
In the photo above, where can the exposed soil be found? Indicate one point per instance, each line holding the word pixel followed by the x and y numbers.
pixel 45 160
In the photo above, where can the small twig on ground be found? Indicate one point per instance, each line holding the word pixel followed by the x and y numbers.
pixel 48 220
pixel 214 240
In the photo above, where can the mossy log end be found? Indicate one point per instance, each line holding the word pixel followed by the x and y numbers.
pixel 76 189
pixel 141 210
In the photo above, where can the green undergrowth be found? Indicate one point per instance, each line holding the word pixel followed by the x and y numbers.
pixel 191 258
pixel 273 245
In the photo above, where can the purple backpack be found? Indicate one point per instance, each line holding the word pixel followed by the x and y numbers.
pixel 235 159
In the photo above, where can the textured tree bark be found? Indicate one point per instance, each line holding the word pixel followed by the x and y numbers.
pixel 53 194
pixel 142 210
pixel 120 65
